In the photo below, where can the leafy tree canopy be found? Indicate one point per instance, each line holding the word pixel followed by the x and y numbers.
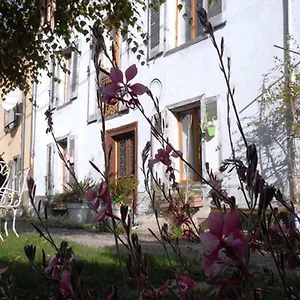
pixel 32 30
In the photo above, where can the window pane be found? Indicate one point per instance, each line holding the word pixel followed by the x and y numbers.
pixel 132 154
pixel 188 20
pixel 215 9
pixel 123 158
pixel 188 144
pixel 199 27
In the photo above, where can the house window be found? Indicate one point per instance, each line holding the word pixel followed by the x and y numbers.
pixel 154 28
pixel 189 26
pixel 190 143
pixel 64 85
pixel 67 147
pixel 109 35
pixel 14 182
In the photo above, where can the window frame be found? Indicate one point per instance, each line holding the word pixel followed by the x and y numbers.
pixel 215 21
pixel 198 167
pixel 69 94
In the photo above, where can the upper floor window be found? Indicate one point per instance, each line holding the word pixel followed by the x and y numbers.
pixel 190 143
pixel 64 82
pixel 189 26
pixel 154 28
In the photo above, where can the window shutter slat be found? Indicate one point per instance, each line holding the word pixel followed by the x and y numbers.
pixel 71 156
pixel 74 74
pixel 199 27
pixel 50 165
pixel 154 28
pixel 53 85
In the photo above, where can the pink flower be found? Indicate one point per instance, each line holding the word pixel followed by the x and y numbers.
pixel 186 285
pixel 65 284
pixel 253 240
pixel 224 245
pixel 117 85
pixel 158 291
pixel 111 295
pixel 189 234
pixel 54 266
pixel 180 219
pixel 101 195
pixel 163 156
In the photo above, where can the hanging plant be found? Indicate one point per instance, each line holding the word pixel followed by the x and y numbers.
pixel 211 129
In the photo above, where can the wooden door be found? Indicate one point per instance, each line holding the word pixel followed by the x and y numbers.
pixel 122 154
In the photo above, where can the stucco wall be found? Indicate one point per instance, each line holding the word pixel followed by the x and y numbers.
pixel 251 28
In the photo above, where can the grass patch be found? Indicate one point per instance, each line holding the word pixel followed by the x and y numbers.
pixel 101 269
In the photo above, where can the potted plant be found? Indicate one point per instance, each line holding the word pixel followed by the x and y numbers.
pixel 208 127
pixel 74 197
pixel 123 192
pixel 211 128
pixel 57 204
pixel 196 198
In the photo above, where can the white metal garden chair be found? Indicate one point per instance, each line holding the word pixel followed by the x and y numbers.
pixel 11 198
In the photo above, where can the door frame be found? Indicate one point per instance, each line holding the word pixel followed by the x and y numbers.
pixel 111 149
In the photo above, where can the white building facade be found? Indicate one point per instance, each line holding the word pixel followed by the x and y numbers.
pixel 182 70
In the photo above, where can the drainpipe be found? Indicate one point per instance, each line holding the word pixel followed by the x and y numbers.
pixel 287 20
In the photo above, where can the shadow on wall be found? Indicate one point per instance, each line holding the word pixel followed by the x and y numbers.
pixel 267 130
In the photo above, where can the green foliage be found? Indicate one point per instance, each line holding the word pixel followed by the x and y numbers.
pixel 101 268
pixel 26 43
pixel 124 187
pixel 103 227
pixel 175 231
pixel 75 192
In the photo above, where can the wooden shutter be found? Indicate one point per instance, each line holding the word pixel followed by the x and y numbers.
pixel 71 156
pixel 154 29
pixel 199 27
pixel 53 85
pixel 210 144
pixel 49 170
pixel 92 86
pixel 10 119
pixel 6 120
pixel 59 85
pixel 74 74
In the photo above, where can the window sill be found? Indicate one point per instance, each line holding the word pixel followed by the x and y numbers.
pixel 155 56
pixel 65 104
pixel 192 184
pixel 91 120
pixel 118 114
pixel 194 41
